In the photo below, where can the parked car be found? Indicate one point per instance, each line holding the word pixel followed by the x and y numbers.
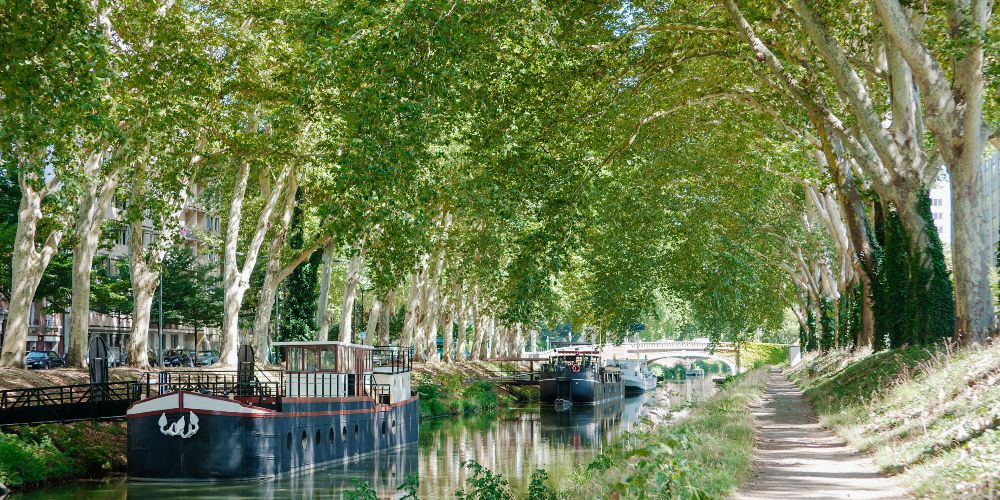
pixel 43 360
pixel 178 357
pixel 206 358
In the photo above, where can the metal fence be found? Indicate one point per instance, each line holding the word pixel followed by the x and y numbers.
pixel 68 403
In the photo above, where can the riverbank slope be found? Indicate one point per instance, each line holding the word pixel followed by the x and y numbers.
pixel 454 388
pixel 930 416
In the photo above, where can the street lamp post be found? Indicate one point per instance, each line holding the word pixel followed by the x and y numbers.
pixel 361 312
pixel 159 328
pixel 3 325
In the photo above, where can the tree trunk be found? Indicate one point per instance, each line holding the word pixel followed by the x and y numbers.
pixel 144 270
pixel 268 290
pixel 265 306
pixel 233 287
pixel 972 255
pixel 138 348
pixel 477 330
pixel 144 280
pixel 351 282
pixel 491 338
pixel 412 303
pixel 866 336
pixel 448 330
pixel 518 340
pixel 385 322
pixel 27 266
pixel 371 330
pixel 83 261
pixel 462 317
pixel 91 212
pixel 323 301
pixel 930 301
pixel 854 218
pixel 236 279
pixel 953 106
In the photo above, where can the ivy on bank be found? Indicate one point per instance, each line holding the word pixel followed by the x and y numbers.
pixel 912 293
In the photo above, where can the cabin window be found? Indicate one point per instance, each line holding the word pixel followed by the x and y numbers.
pixel 318 437
pixel 328 360
pixel 331 436
pixel 288 441
pixel 305 440
pixel 355 430
pixel 343 359
pixel 311 360
pixel 343 433
pixel 384 426
pixel 294 359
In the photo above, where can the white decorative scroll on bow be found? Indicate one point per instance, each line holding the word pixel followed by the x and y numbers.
pixel 178 428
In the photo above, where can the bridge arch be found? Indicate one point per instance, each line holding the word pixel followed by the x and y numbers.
pixel 698 355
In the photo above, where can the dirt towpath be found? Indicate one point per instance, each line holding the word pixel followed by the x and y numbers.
pixel 795 457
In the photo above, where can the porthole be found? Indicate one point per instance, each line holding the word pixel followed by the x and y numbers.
pixel 356 430
pixel 331 436
pixel 384 427
pixel 288 441
pixel 305 440
pixel 318 437
pixel 343 433
pixel 393 426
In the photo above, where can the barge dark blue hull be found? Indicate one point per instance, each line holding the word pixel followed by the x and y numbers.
pixel 189 436
pixel 580 388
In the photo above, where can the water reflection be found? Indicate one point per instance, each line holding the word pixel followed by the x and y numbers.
pixel 691 389
pixel 513 443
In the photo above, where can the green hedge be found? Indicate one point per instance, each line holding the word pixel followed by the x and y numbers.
pixel 757 355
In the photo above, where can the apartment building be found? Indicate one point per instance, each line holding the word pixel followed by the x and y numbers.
pixel 48 331
pixel 941 201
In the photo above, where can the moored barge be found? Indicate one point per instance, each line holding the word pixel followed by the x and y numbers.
pixel 580 378
pixel 333 401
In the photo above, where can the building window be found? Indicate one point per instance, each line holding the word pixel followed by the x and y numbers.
pixel 122 236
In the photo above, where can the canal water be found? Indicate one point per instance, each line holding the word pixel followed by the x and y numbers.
pixel 512 443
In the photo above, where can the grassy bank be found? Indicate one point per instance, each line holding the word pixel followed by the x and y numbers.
pixel 450 389
pixel 55 452
pixel 931 416
pixel 708 453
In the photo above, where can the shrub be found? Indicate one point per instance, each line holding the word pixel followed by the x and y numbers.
pixel 538 490
pixel 485 484
pixel 26 462
pixel 362 491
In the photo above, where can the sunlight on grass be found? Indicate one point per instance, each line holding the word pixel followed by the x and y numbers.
pixel 929 414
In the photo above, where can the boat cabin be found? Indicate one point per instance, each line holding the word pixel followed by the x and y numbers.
pixel 332 369
pixel 585 360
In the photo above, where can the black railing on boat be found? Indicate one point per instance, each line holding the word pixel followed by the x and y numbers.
pixel 382 393
pixel 392 359
pixel 216 383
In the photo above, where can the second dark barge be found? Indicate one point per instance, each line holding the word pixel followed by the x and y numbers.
pixel 579 377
